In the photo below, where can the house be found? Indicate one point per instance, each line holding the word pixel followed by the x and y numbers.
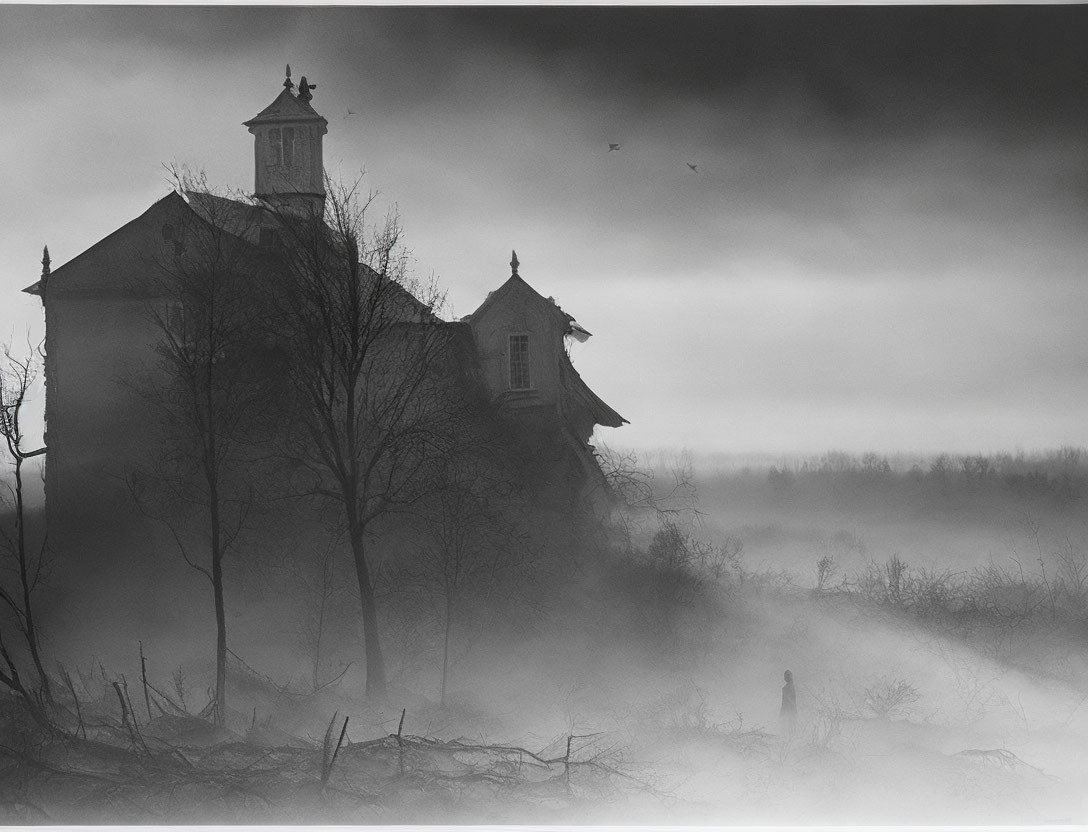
pixel 98 331
pixel 521 341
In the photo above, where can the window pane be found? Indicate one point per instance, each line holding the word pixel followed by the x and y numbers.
pixel 277 147
pixel 288 145
pixel 519 362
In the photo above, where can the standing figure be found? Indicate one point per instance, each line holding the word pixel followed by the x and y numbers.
pixel 788 714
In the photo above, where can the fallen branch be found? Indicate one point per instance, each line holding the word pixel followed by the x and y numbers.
pixel 1001 756
pixel 499 764
pixel 128 720
pixel 143 676
pixel 72 689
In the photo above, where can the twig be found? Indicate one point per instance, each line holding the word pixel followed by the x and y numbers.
pixel 72 690
pixel 180 710
pixel 339 742
pixel 281 690
pixel 143 676
pixel 1004 756
pixel 566 760
pixel 326 742
pixel 124 707
pixel 326 770
pixel 209 709
pixel 332 681
pixel 132 712
pixel 125 720
pixel 560 766
pixel 400 742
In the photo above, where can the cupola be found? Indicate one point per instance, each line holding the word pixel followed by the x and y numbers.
pixel 287 137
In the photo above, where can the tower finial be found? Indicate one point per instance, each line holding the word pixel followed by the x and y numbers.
pixel 288 83
pixel 514 263
pixel 45 261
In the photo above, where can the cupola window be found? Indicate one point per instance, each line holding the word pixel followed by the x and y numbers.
pixel 282 143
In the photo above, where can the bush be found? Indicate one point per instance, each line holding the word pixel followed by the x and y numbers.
pixel 886 698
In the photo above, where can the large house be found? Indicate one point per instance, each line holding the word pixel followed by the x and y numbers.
pixel 97 330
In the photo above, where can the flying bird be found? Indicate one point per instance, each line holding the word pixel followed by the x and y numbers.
pixel 349 113
pixel 693 167
pixel 612 147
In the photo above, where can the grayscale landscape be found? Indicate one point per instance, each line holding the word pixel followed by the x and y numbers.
pixel 546 416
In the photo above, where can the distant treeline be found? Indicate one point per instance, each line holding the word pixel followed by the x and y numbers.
pixel 1053 460
pixel 1061 474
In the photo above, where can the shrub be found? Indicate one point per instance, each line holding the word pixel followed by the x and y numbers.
pixel 825 570
pixel 886 698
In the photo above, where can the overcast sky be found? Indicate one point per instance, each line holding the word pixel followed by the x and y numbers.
pixel 883 247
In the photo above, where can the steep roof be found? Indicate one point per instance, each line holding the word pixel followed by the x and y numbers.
pixel 601 412
pixel 286 107
pixel 242 219
pixel 173 201
pixel 514 283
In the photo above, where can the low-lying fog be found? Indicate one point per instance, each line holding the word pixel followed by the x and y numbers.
pixel 932 614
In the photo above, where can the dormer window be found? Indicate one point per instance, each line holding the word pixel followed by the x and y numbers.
pixel 520 379
pixel 282 143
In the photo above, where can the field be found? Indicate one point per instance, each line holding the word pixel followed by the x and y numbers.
pixel 934 614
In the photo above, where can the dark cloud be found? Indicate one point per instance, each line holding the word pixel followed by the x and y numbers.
pixel 885 62
pixel 887 219
pixel 195 31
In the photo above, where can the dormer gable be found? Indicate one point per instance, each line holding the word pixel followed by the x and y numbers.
pixel 520 339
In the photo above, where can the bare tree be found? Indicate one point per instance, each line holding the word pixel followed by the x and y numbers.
pixel 210 385
pixel 643 494
pixel 22 573
pixel 471 550
pixel 369 375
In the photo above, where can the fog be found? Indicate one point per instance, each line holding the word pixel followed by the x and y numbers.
pixel 834 272
pixel 947 689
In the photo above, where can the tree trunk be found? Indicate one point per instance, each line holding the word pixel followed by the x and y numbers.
pixel 220 609
pixel 326 591
pixel 375 664
pixel 220 642
pixel 446 649
pixel 211 473
pixel 24 575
